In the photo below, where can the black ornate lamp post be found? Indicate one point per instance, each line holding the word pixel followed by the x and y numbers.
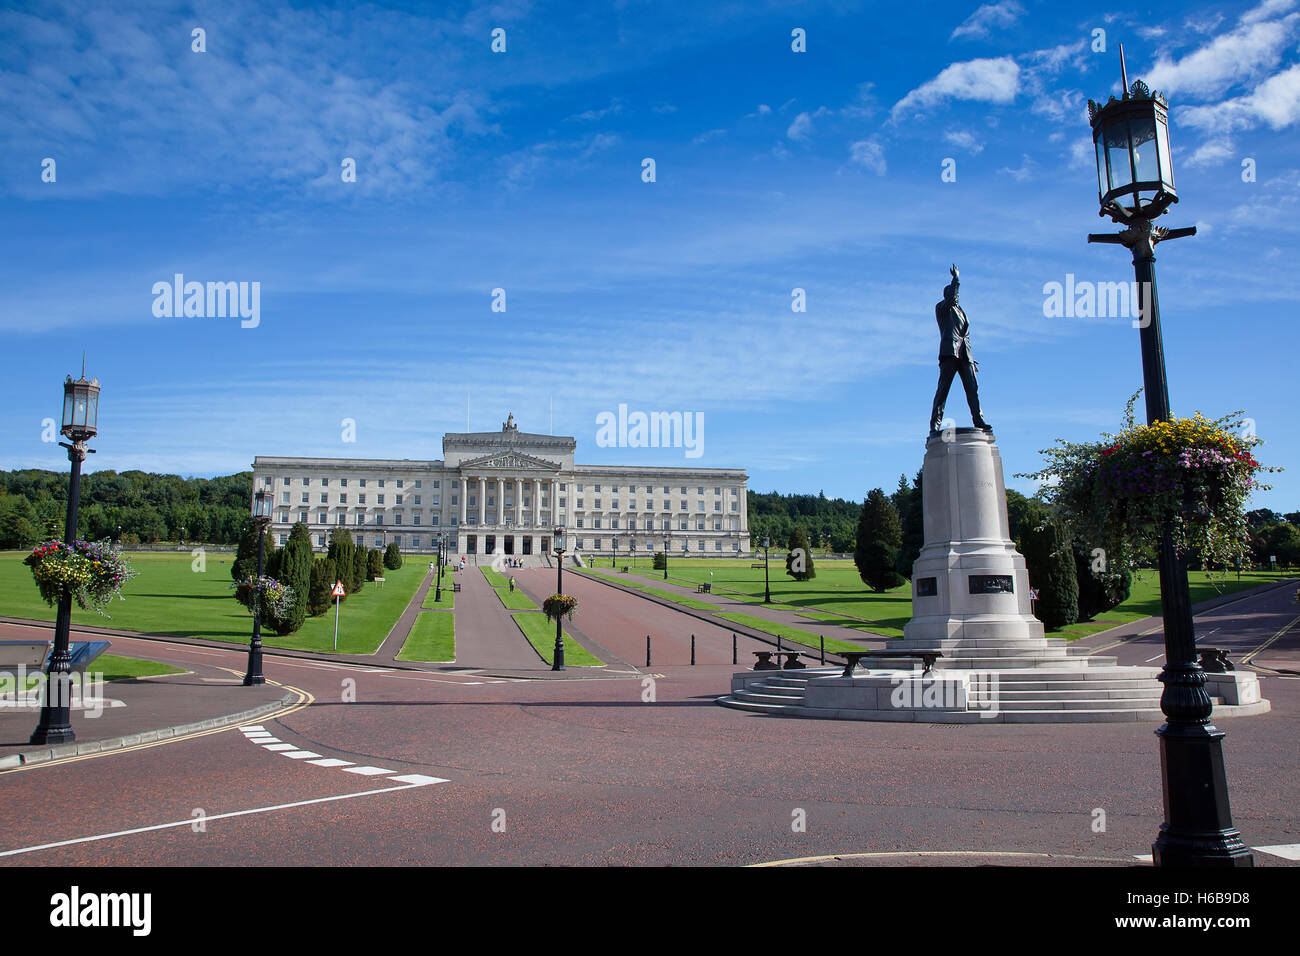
pixel 261 517
pixel 557 540
pixel 614 560
pixel 665 557
pixel 80 424
pixel 767 583
pixel 439 543
pixel 1136 185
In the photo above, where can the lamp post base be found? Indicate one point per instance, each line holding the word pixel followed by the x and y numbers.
pixel 1196 796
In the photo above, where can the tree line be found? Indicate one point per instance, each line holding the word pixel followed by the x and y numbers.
pixel 131 506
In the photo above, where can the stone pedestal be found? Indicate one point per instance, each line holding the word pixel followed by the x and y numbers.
pixel 970 588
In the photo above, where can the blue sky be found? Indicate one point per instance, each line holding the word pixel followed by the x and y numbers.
pixel 522 170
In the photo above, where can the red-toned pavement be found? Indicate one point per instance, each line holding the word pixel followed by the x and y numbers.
pixel 622 770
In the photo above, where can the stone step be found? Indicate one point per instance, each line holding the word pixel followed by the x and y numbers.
pixel 754 706
pixel 1026 662
pixel 1072 686
pixel 761 697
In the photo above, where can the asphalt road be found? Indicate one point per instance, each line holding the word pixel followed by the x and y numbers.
pixel 468 769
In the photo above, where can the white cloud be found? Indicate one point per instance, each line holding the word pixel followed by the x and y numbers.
pixel 1276 102
pixel 1210 154
pixel 965 140
pixel 1228 59
pixel 985 80
pixel 1269 8
pixel 870 154
pixel 1025 171
pixel 988 16
pixel 801 128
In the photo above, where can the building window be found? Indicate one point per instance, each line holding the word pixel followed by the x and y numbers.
pixel 343 498
pixel 361 518
pixel 305 497
pixel 415 541
pixel 436 484
pixel 415 519
pixel 324 499
pixel 282 539
pixel 399 482
pixel 717 546
pixel 381 482
pixel 699 505
pixel 381 497
pixel 417 499
pixel 579 522
pixel 284 517
pixel 597 524
pixel 399 499
pixel 379 542
pixel 343 482
pixel 735 546
pixel 320 540
pixel 266 482
pixel 417 484
pixel 361 499
pixel 284 497
pixel 342 518
pixel 322 517
pixel 363 482
pixel 397 519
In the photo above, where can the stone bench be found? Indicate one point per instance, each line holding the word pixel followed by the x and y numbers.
pixel 851 658
pixel 455 586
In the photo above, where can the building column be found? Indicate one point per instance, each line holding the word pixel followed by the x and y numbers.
pixel 519 502
pixel 555 502
pixel 464 499
pixel 501 501
pixel 537 502
pixel 482 501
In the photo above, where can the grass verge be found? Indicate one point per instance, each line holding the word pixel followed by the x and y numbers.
pixel 540 632
pixel 432 639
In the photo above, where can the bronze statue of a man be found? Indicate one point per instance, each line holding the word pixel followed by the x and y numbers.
pixel 955 356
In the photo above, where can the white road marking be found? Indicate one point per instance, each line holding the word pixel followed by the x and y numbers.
pixel 367 771
pixel 1287 851
pixel 1143 857
pixel 249 727
pixel 1156 658
pixel 299 754
pixel 278 747
pixel 189 821
pixel 418 779
pixel 331 762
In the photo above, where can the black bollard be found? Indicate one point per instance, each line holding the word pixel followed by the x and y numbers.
pixel 734 658
pixel 692 650
pixel 778 643
pixel 823 643
pixel 647 650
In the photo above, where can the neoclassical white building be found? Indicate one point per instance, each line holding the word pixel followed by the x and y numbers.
pixel 507 490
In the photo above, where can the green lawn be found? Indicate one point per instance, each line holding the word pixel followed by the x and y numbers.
pixel 790 634
pixel 515 600
pixel 448 596
pixel 106 667
pixel 540 632
pixel 168 597
pixel 432 639
pixel 837 595
pixel 494 578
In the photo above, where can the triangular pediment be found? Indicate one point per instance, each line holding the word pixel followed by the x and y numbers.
pixel 511 460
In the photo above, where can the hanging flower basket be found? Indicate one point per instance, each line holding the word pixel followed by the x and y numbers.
pixel 559 606
pixel 276 598
pixel 92 571
pixel 1191 475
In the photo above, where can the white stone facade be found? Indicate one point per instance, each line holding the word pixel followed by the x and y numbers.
pixel 508 490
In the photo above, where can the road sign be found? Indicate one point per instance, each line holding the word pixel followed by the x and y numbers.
pixel 338 589
pixel 337 594
pixel 1033 594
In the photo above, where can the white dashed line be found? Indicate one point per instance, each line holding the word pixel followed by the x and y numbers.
pixel 263 739
pixel 1287 851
